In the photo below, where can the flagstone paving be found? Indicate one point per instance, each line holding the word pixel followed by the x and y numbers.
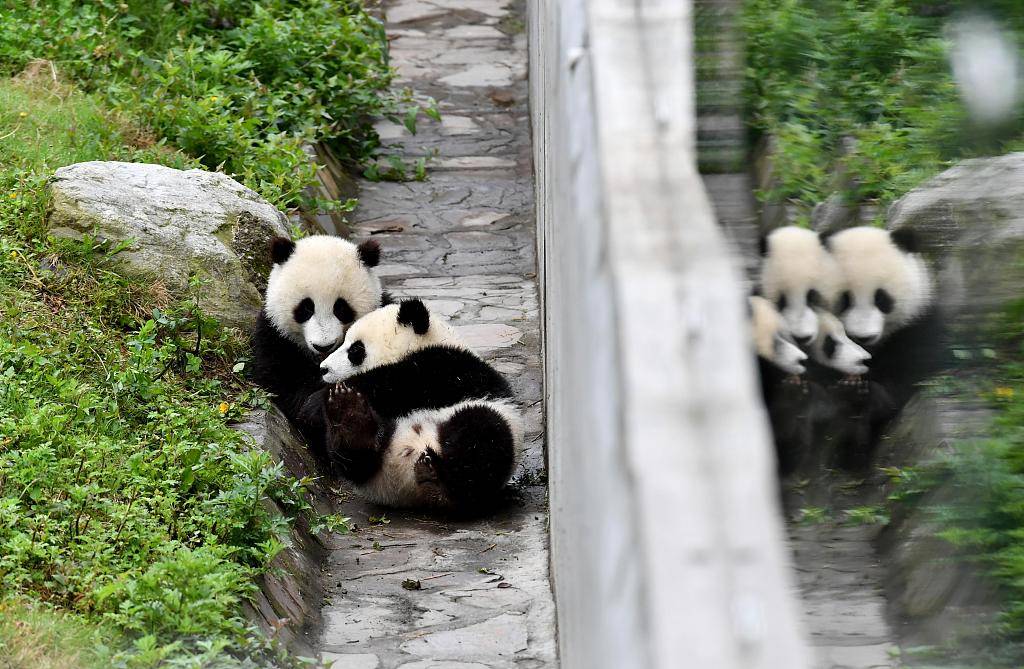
pixel 476 594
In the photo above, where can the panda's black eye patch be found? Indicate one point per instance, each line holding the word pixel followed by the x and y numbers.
pixel 782 302
pixel 357 353
pixel 845 301
pixel 814 298
pixel 343 312
pixel 304 310
pixel 829 346
pixel 884 301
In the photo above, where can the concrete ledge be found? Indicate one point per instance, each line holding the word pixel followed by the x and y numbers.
pixel 667 543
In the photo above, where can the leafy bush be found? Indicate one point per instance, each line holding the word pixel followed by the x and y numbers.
pixel 858 96
pixel 125 495
pixel 238 84
pixel 981 485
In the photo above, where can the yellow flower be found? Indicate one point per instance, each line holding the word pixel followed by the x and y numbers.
pixel 223 408
pixel 14 254
pixel 12 195
pixel 1004 392
pixel 23 114
pixel 213 98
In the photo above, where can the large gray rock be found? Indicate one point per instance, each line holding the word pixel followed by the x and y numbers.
pixel 971 220
pixel 180 223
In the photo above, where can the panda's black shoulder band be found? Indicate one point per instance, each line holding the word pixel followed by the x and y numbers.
pixel 415 314
pixel 281 249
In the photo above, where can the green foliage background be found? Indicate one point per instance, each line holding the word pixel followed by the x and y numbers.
pixel 133 518
pixel 239 85
pixel 858 95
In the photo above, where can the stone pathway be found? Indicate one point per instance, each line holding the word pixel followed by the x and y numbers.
pixel 464 242
pixel 845 610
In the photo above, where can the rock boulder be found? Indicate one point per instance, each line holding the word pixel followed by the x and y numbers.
pixel 971 221
pixel 180 223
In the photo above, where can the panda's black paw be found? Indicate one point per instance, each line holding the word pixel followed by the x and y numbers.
pixel 855 384
pixel 796 384
pixel 347 408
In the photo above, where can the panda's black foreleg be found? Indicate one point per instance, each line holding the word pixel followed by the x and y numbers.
pixel 309 418
pixel 352 430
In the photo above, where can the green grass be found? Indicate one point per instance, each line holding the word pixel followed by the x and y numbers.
pixel 859 97
pixel 238 85
pixel 47 125
pixel 127 501
pixel 37 636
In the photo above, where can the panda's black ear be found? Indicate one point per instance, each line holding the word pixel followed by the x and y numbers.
pixel 762 245
pixel 414 313
pixel 823 237
pixel 281 249
pixel 369 252
pixel 905 239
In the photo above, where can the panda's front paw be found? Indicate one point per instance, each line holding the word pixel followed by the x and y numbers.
pixel 347 407
pixel 854 383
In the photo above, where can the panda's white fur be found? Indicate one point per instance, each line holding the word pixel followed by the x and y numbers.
pixel 833 348
pixel 771 337
pixel 870 261
pixel 396 484
pixel 795 264
pixel 385 341
pixel 321 268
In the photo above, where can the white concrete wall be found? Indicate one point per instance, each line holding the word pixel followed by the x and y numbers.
pixel 667 547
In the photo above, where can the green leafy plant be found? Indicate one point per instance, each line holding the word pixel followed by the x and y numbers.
pixel 858 97
pixel 239 85
pixel 130 509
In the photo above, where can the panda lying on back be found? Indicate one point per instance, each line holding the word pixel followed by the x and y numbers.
pixel 317 288
pixel 420 420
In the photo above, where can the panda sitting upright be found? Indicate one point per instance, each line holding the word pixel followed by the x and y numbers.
pixel 317 288
pixel 887 305
pixel 419 419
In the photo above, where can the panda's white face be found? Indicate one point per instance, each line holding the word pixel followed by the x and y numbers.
pixel 384 336
pixel 798 275
pixel 885 287
pixel 771 337
pixel 318 287
pixel 834 349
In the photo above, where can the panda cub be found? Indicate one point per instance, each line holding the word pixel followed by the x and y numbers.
pixel 834 350
pixel 786 396
pixel 416 418
pixel 799 276
pixel 317 288
pixel 887 305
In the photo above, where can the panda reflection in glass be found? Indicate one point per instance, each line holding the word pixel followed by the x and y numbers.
pixel 861 304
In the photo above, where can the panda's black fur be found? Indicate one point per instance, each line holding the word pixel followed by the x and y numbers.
pixel 477 445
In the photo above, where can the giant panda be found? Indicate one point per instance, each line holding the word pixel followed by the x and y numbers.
pixel 833 349
pixel 786 396
pixel 317 288
pixel 798 275
pixel 415 417
pixel 887 305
